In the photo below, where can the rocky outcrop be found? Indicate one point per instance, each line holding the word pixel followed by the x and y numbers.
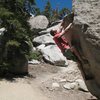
pixel 38 22
pixel 87 25
pixel 46 45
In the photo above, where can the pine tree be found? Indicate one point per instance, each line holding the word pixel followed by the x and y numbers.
pixel 37 11
pixel 47 10
pixel 30 6
pixel 55 15
pixel 63 12
pixel 15 42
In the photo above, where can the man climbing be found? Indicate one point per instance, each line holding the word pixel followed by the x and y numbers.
pixel 64 43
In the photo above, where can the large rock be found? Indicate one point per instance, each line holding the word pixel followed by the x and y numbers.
pixel 53 55
pixel 44 39
pixel 87 23
pixel 38 22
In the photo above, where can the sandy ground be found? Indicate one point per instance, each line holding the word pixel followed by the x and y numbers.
pixel 38 86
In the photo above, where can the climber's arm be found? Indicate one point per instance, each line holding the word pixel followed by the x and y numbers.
pixel 69 26
pixel 66 29
pixel 60 29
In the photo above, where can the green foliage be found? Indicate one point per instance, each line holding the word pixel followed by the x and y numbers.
pixel 37 11
pixel 33 2
pixel 5 13
pixel 4 68
pixel 15 41
pixel 47 10
pixel 35 55
pixel 54 14
pixel 12 43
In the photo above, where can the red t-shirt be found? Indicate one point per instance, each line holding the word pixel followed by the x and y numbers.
pixel 61 42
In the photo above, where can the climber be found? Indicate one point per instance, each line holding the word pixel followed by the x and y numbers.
pixel 64 42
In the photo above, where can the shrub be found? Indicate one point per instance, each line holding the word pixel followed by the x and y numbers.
pixel 35 55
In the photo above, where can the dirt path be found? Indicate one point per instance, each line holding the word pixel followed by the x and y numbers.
pixel 40 85
pixel 19 91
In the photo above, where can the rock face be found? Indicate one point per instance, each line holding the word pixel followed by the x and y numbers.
pixel 38 22
pixel 87 23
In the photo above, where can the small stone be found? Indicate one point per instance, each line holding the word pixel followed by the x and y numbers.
pixel 34 62
pixel 55 85
pixel 70 86
pixel 63 80
pixel 81 85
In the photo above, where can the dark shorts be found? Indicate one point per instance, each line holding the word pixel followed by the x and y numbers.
pixel 70 55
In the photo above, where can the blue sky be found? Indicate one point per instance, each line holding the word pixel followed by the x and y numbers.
pixel 55 3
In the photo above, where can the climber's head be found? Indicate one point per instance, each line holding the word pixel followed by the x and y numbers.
pixel 53 32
